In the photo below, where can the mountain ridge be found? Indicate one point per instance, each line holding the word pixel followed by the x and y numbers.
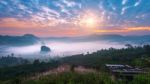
pixel 29 39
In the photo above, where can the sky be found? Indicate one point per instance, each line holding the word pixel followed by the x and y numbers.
pixel 74 17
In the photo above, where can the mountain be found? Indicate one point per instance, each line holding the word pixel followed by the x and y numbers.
pixel 145 39
pixel 27 39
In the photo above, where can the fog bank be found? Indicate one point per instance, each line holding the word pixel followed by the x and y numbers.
pixel 59 48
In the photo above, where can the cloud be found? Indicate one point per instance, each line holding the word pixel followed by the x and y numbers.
pixel 51 27
pixel 16 23
pixel 62 8
pixel 137 3
pixel 22 7
pixel 38 20
pixel 112 6
pixel 64 14
pixel 124 2
pixel 3 2
pixel 50 11
pixel 123 30
pixel 124 9
pixel 69 3
pixel 67 7
pixel 58 4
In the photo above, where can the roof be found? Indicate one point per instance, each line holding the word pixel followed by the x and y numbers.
pixel 119 68
pixel 114 65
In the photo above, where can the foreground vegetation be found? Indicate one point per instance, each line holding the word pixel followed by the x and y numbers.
pixel 78 78
pixel 135 56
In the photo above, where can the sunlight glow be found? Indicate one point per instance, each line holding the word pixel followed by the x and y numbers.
pixel 90 19
pixel 89 22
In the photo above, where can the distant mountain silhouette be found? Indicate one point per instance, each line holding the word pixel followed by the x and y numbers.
pixel 108 37
pixel 27 39
pixel 118 38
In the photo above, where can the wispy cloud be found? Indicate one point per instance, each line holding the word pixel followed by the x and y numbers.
pixel 137 3
pixel 22 7
pixel 69 3
pixel 48 11
pixel 65 15
pixel 124 9
pixel 124 2
pixel 122 30
pixel 3 2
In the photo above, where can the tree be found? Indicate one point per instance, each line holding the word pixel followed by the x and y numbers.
pixel 36 61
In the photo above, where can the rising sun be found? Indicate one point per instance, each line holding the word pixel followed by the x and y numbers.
pixel 89 20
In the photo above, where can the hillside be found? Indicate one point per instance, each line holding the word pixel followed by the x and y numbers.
pixel 27 39
pixel 94 72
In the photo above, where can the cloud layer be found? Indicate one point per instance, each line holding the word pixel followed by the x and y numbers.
pixel 68 17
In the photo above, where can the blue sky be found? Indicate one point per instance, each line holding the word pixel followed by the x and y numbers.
pixel 74 17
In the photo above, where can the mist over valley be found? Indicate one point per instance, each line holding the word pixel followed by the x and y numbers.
pixel 29 46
